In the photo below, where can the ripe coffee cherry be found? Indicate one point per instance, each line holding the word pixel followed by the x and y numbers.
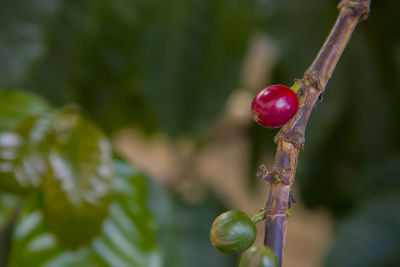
pixel 274 106
pixel 232 232
pixel 258 256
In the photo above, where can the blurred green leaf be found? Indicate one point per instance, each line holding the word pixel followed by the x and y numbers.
pixel 23 129
pixel 23 154
pixel 127 235
pixel 77 188
pixel 16 105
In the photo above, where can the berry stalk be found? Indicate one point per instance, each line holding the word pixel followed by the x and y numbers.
pixel 290 138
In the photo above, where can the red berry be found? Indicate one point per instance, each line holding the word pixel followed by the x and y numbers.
pixel 274 106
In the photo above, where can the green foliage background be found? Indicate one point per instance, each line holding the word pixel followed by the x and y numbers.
pixel 169 66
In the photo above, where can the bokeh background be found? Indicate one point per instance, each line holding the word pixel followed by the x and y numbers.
pixel 171 83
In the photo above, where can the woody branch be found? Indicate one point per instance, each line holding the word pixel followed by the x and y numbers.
pixel 290 139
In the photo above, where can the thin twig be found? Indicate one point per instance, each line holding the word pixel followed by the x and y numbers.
pixel 290 138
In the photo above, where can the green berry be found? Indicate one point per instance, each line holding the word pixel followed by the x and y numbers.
pixel 233 232
pixel 258 256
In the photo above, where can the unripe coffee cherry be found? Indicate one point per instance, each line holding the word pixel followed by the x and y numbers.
pixel 274 106
pixel 232 232
pixel 258 256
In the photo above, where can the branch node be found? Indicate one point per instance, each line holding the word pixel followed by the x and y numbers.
pixel 302 88
pixel 288 214
pixel 273 176
pixel 358 7
pixel 295 137
pixel 259 217
pixel 291 135
pixel 313 79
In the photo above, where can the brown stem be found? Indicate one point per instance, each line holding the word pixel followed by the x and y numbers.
pixel 290 138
